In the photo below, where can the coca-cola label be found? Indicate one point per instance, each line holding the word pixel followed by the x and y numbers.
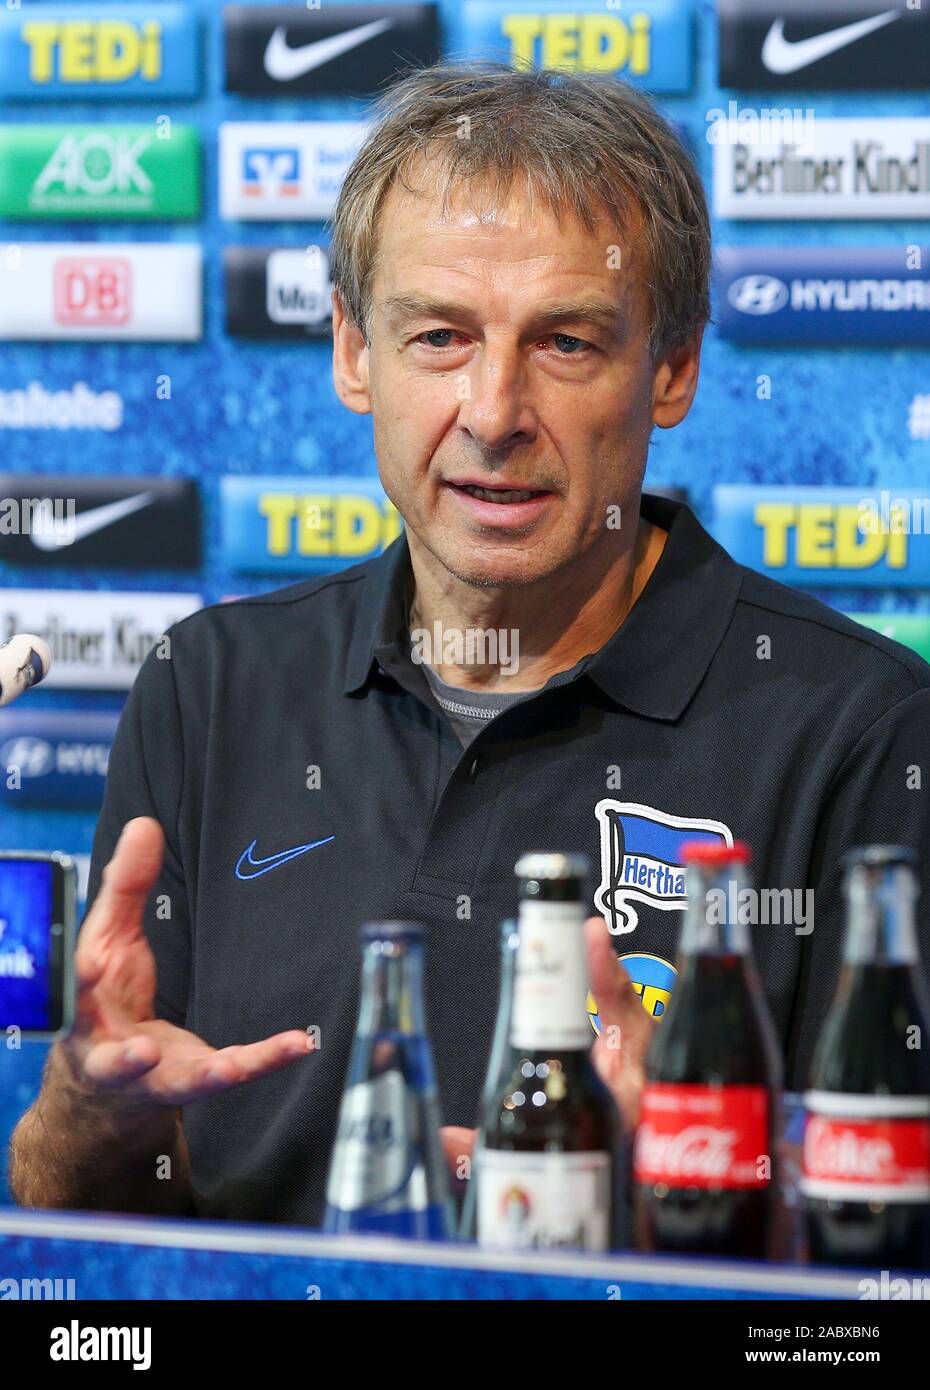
pixel 703 1136
pixel 867 1157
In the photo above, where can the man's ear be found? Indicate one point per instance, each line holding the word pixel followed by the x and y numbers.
pixel 675 382
pixel 350 361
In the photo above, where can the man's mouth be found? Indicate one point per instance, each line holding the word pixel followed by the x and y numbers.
pixel 502 495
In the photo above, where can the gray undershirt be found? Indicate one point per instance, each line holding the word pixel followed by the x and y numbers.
pixel 469 711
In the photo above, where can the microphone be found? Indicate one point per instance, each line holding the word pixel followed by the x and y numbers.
pixel 24 661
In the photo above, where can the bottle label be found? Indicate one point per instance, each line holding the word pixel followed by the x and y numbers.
pixel 375 1156
pixel 543 1201
pixel 866 1148
pixel 703 1136
pixel 550 989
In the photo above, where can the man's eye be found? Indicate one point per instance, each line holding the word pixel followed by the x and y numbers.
pixel 568 345
pixel 432 333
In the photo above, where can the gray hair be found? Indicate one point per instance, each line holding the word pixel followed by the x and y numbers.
pixel 584 144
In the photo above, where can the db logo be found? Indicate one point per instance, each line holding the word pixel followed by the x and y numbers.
pixel 93 290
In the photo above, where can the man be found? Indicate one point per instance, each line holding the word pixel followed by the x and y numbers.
pixel 520 268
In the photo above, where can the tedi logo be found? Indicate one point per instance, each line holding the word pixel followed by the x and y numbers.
pixel 641 859
pixel 77 1343
pixel 90 51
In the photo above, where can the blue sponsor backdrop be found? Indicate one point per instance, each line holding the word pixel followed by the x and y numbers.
pixel 25 914
pixel 835 416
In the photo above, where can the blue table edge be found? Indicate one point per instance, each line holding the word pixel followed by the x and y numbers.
pixel 229 1238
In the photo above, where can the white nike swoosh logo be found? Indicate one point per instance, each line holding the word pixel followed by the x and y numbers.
pixel 49 534
pixel 782 57
pixel 283 64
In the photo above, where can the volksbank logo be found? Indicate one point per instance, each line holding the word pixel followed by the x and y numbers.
pixel 99 51
pixel 285 170
pixel 848 167
pixel 270 173
pixel 142 171
pixel 817 536
pixel 824 294
pixel 313 525
pixel 649 43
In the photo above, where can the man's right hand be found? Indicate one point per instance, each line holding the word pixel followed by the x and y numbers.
pixel 118 1047
pixel 105 1131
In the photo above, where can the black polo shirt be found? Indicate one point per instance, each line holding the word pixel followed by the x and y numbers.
pixel 307 782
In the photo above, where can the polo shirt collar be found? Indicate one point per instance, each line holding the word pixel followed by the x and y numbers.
pixel 382 612
pixel 658 657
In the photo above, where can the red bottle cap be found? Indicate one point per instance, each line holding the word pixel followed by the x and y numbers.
pixel 713 852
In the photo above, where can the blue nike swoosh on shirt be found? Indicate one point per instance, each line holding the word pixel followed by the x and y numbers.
pixel 272 861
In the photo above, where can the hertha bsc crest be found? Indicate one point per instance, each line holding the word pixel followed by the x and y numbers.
pixel 641 859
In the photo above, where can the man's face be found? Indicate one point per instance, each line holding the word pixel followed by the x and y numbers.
pixel 510 383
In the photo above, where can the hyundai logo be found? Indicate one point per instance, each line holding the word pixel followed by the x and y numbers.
pixel 33 756
pixel 758 294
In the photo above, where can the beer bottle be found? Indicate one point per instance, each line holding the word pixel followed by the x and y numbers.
pixel 865 1184
pixel 705 1148
pixel 549 1152
pixel 387 1172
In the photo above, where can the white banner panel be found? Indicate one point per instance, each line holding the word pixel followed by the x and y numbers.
pixel 836 168
pixel 98 641
pixel 143 291
pixel 285 171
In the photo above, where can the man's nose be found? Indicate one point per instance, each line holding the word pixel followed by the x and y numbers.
pixel 495 401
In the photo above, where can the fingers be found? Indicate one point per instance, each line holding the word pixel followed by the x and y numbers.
pixel 112 1064
pixel 626 1029
pixel 232 1065
pixel 208 1072
pixel 457 1144
pixel 618 1004
pixel 186 1071
pixel 126 883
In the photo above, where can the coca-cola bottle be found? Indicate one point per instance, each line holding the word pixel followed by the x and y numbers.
pixel 704 1165
pixel 865 1182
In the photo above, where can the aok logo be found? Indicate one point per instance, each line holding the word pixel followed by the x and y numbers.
pixel 96 164
pixel 581 42
pixel 825 536
pixel 93 290
pixel 85 51
pixel 347 526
